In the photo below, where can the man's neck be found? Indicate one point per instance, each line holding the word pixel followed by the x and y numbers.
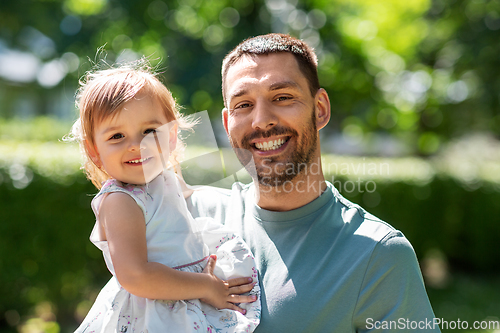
pixel 292 194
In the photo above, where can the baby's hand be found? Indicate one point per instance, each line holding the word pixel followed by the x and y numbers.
pixel 223 294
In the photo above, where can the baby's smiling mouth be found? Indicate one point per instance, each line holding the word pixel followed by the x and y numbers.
pixel 139 160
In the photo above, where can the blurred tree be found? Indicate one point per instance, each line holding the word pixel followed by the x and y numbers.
pixel 423 71
pixel 463 51
pixel 420 70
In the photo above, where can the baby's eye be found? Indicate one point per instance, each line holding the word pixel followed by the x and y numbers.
pixel 116 136
pixel 150 130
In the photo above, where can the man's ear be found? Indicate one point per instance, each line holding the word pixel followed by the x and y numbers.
pixel 224 119
pixel 93 153
pixel 322 108
pixel 172 140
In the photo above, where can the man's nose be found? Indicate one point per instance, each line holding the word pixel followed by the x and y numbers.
pixel 263 116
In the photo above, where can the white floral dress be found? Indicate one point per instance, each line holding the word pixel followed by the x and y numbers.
pixel 177 240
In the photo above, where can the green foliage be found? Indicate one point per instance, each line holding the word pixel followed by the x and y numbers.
pixel 423 71
pixel 40 129
pixel 84 7
pixel 55 160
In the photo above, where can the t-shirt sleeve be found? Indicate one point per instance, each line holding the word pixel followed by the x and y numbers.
pixel 392 297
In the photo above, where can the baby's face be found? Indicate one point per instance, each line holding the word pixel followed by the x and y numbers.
pixel 129 144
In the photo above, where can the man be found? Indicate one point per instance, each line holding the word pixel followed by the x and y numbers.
pixel 325 264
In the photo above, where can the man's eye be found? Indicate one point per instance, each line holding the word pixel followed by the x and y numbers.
pixel 242 106
pixel 283 98
pixel 116 136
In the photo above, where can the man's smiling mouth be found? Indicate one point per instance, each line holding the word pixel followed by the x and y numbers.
pixel 270 145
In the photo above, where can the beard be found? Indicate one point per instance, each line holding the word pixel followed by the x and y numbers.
pixel 273 171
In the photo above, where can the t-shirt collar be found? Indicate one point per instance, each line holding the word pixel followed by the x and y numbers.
pixel 294 214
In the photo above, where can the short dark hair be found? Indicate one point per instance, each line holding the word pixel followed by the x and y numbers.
pixel 275 43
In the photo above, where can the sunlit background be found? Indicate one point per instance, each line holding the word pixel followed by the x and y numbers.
pixel 414 134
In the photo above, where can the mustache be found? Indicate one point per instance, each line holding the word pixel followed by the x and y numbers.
pixel 275 131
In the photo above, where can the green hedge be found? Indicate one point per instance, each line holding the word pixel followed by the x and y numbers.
pixel 40 129
pixel 49 267
pixel 46 259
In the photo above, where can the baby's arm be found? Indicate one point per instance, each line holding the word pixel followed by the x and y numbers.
pixel 125 231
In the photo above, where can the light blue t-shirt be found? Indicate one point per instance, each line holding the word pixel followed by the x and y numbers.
pixel 328 266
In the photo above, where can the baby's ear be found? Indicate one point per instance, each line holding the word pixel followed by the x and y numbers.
pixel 92 151
pixel 173 138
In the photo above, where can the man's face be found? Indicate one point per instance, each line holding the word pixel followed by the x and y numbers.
pixel 271 116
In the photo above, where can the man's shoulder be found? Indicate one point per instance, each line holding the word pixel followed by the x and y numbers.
pixel 361 222
pixel 210 191
pixel 366 234
pixel 210 199
pixel 218 193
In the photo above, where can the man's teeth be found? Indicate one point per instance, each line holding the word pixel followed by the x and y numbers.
pixel 270 145
pixel 139 160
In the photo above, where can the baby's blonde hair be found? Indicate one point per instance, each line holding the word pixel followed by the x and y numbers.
pixel 103 92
